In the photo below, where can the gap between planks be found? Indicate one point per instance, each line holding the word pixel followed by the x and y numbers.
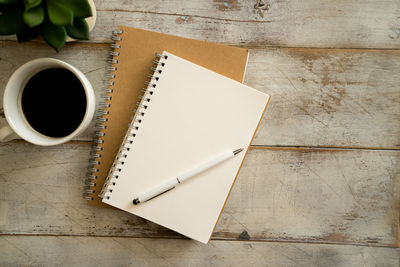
pixel 261 46
pixel 294 241
pixel 269 147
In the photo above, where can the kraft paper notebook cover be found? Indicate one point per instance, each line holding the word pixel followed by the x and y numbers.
pixel 188 114
pixel 133 51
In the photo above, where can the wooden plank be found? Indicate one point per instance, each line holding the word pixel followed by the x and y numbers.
pixel 301 195
pixel 328 97
pixel 339 24
pixel 320 97
pixel 103 251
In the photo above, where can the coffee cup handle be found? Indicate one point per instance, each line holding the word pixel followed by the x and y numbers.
pixel 7 134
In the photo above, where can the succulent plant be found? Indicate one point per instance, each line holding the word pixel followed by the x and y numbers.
pixel 53 19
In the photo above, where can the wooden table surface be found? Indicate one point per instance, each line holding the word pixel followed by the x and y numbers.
pixel 320 184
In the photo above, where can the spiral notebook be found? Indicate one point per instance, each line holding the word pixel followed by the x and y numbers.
pixel 133 50
pixel 187 114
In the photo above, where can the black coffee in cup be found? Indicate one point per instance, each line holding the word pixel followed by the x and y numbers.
pixel 54 102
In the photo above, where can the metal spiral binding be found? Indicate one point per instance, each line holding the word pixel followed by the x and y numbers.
pixel 134 127
pixel 95 154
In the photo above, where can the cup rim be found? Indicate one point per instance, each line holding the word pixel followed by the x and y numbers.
pixel 32 135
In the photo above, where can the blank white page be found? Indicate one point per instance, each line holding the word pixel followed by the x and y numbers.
pixel 194 114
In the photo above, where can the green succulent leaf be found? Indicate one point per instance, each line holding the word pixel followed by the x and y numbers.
pixel 79 30
pixel 80 8
pixel 11 21
pixel 59 14
pixel 34 17
pixel 54 35
pixel 28 34
pixel 7 2
pixel 29 4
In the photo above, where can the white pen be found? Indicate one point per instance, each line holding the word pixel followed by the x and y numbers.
pixel 172 183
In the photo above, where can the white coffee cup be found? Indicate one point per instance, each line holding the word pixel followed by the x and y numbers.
pixel 17 123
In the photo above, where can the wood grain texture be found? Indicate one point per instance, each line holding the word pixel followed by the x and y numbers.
pixel 339 24
pixel 301 195
pixel 320 97
pixel 100 251
pixel 329 97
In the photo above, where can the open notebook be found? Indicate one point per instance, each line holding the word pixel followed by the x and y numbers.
pixel 188 114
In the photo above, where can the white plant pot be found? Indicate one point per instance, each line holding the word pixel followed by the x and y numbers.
pixel 90 20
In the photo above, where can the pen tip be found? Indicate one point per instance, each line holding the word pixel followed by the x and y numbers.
pixel 136 201
pixel 237 151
